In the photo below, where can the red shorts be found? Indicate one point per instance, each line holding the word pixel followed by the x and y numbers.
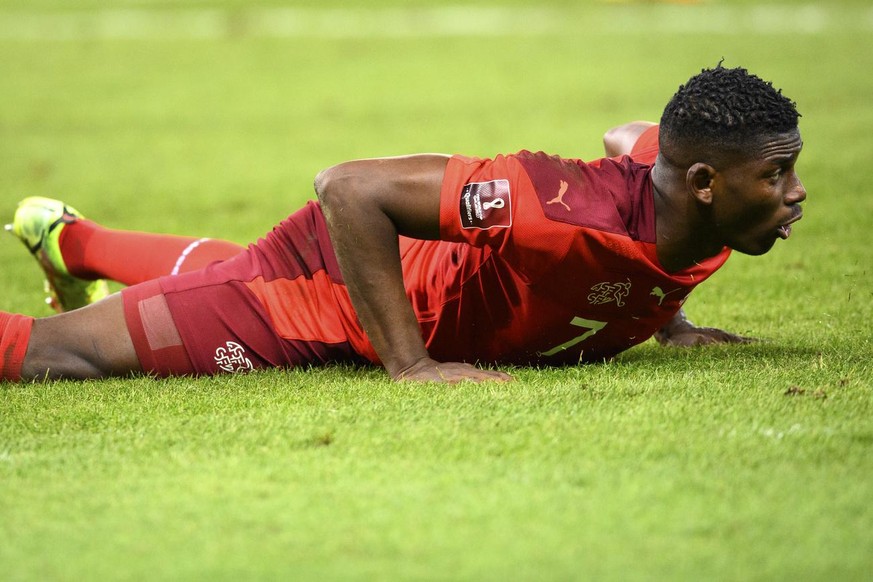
pixel 157 342
pixel 279 303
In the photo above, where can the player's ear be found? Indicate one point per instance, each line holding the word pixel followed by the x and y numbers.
pixel 698 180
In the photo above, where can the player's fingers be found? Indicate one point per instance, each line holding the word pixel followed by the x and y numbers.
pixel 731 338
pixel 453 372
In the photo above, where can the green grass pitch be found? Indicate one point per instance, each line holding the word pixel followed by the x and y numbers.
pixel 211 118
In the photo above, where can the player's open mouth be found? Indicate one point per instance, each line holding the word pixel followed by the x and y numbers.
pixel 784 231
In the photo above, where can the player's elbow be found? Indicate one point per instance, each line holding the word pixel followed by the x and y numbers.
pixel 333 185
pixel 323 184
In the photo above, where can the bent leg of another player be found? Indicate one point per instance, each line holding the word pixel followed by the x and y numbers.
pixel 92 342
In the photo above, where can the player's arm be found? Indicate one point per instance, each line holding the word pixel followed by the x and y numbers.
pixel 681 332
pixel 620 140
pixel 367 204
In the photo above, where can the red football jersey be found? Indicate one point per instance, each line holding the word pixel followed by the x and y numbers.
pixel 551 261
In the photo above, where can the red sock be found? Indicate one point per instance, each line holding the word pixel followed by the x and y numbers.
pixel 91 251
pixel 14 338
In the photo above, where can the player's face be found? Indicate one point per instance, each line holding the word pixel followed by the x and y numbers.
pixel 755 200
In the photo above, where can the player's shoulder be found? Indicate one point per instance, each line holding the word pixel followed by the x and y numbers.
pixel 543 162
pixel 615 178
pixel 607 194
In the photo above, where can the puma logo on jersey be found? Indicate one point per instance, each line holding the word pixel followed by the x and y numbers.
pixel 661 295
pixel 559 199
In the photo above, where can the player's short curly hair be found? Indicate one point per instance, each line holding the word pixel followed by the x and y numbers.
pixel 724 111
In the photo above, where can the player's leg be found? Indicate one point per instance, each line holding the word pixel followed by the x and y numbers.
pixel 225 318
pixel 77 255
pixel 92 251
pixel 92 342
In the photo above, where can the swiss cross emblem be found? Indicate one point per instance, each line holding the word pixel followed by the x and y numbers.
pixel 607 292
pixel 231 357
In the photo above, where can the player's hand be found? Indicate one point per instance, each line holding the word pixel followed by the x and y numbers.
pixel 428 370
pixel 691 335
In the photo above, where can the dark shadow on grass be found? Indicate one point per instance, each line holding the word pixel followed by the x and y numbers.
pixel 752 352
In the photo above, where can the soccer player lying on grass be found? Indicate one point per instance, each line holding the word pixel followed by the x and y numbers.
pixel 523 259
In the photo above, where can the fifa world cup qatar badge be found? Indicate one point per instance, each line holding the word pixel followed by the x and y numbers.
pixel 486 205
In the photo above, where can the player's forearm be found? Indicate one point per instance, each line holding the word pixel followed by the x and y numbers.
pixel 369 258
pixel 363 227
pixel 679 331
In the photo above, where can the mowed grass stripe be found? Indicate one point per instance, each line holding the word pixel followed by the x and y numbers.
pixel 448 21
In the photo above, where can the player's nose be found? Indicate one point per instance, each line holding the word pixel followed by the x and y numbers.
pixel 797 193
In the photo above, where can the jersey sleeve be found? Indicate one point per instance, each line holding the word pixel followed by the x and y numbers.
pixel 493 203
pixel 479 199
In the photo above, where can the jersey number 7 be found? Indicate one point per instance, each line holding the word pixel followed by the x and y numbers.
pixel 593 327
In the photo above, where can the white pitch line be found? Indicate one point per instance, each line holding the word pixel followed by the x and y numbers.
pixel 437 22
